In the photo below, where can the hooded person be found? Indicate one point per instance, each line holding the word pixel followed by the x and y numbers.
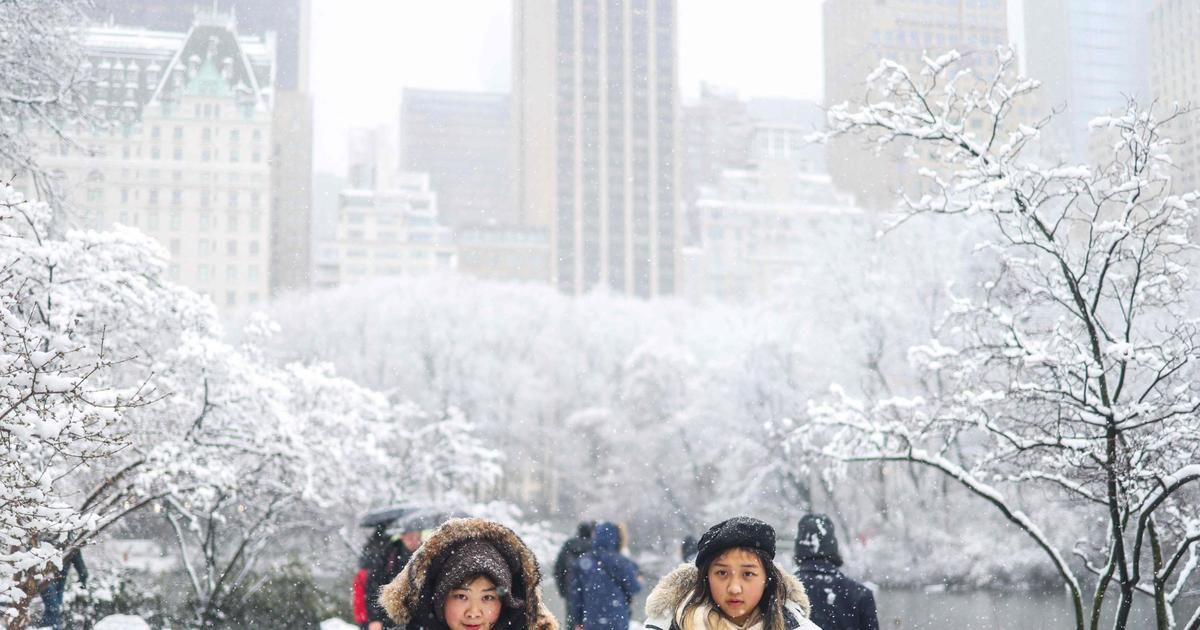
pixel 470 574
pixel 734 584
pixel 605 583
pixel 839 603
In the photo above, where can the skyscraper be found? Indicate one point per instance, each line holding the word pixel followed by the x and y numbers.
pixel 1175 80
pixel 1089 56
pixel 291 151
pixel 596 104
pixel 463 140
pixel 860 33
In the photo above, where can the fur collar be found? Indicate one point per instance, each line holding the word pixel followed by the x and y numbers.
pixel 678 585
pixel 412 589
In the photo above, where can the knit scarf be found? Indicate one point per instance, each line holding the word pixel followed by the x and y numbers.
pixel 707 617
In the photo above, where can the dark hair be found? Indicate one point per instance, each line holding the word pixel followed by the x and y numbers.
pixel 702 593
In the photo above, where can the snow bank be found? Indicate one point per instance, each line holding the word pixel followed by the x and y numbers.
pixel 122 622
pixel 337 624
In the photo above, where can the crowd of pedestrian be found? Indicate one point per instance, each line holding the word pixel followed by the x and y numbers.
pixel 475 574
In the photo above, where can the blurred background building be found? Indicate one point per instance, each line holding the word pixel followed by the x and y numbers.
pixel 288 23
pixel 596 130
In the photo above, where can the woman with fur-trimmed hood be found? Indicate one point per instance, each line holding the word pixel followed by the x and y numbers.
pixel 471 574
pixel 734 585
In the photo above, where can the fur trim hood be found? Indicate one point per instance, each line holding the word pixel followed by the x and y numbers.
pixel 677 586
pixel 408 599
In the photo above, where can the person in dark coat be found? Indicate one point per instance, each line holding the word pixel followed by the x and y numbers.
pixel 52 590
pixel 838 602
pixel 387 565
pixel 372 556
pixel 606 583
pixel 564 564
pixel 688 549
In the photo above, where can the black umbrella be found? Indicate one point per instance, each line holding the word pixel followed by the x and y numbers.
pixel 387 515
pixel 425 518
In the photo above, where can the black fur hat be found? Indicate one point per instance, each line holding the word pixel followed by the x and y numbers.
pixel 739 531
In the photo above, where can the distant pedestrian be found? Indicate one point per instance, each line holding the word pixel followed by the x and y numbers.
pixel 372 556
pixel 564 565
pixel 52 589
pixel 607 582
pixel 471 574
pixel 734 584
pixel 688 550
pixel 838 602
pixel 385 567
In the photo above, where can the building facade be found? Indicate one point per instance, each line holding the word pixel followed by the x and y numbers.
pixel 185 155
pixel 861 33
pixel 463 140
pixel 1089 57
pixel 1175 80
pixel 595 114
pixel 391 232
pixel 292 119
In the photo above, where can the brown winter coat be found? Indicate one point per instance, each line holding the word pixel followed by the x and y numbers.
pixel 409 597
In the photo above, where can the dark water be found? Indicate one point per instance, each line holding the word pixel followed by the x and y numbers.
pixel 917 610
pixel 975 610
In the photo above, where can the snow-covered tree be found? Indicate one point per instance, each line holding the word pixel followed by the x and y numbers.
pixel 1071 372
pixel 42 65
pixel 61 398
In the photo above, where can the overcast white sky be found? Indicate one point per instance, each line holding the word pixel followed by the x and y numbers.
pixel 365 51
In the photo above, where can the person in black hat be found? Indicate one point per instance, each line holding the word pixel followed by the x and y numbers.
pixel 734 584
pixel 687 549
pixel 471 574
pixel 564 565
pixel 838 602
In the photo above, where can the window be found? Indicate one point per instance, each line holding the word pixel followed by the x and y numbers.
pixel 231 221
pixel 255 199
pixel 204 272
pixel 179 133
pixel 234 135
pixel 176 220
pixel 255 221
pixel 153 200
pixel 206 134
pixel 230 298
pixel 152 219
pixel 231 247
pixel 155 132
pixel 253 248
pixel 177 153
pixel 233 198
pixel 203 247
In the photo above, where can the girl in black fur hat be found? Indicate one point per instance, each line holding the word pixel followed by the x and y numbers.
pixel 733 585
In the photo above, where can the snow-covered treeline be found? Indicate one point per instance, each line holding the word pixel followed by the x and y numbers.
pixel 120 397
pixel 666 414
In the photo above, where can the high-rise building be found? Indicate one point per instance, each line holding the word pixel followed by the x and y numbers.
pixel 185 157
pixel 1089 56
pixel 595 113
pixel 292 138
pixel 463 140
pixel 1175 81
pixel 861 33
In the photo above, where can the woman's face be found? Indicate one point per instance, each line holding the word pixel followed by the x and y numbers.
pixel 736 581
pixel 473 606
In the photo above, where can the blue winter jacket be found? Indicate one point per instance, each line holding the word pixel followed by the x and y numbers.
pixel 606 583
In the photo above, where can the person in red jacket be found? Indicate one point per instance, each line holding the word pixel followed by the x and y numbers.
pixel 372 554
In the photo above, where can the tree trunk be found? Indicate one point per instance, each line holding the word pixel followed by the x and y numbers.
pixel 1161 613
